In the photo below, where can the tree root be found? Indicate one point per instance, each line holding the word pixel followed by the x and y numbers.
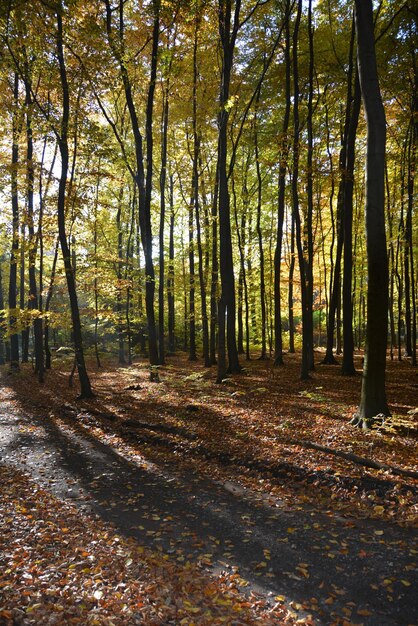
pixel 358 460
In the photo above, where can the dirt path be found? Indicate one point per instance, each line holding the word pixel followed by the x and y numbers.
pixel 360 571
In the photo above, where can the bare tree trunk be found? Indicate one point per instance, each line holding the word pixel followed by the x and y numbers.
pixel 263 354
pixel 284 155
pixel 85 387
pixel 14 339
pixel 227 307
pixel 33 240
pixel 170 275
pixel 373 393
pixel 348 368
pixel 196 202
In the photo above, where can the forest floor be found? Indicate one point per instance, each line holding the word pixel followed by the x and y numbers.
pixel 191 503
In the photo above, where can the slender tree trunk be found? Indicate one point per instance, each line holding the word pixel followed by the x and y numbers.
pixel 120 327
pixel 334 316
pixel 308 226
pixel 284 155
pixel 23 298
pixel 47 307
pixel 373 394
pixel 170 275
pixel 33 287
pixel 96 272
pixel 214 283
pixel 163 183
pixel 243 286
pixel 391 259
pixel 2 320
pixel 411 158
pixel 304 373
pixel 348 368
pixel 144 182
pixel 263 354
pixel 85 387
pixel 192 307
pixel 291 290
pixel 128 274
pixel 14 253
pixel 227 307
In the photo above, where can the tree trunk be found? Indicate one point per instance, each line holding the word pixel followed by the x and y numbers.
pixel 33 287
pixel 170 275
pixel 308 225
pixel 47 306
pixel 227 308
pixel 348 368
pixel 14 339
pixel 373 393
pixel 2 320
pixel 85 387
pixel 284 154
pixel 214 282
pixel 291 314
pixel 263 354
pixel 196 202
pixel 143 182
pixel 304 373
pixel 119 318
pixel 163 182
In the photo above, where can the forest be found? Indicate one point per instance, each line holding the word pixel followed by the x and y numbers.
pixel 208 275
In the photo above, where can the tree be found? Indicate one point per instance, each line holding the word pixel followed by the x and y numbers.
pixel 143 179
pixel 228 30
pixel 373 393
pixel 14 340
pixel 62 136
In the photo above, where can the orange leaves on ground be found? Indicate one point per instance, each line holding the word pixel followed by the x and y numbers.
pixel 61 567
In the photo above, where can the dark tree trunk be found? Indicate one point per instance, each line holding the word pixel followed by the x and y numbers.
pixel 214 282
pixel 119 318
pixel 192 311
pixel 411 158
pixel 170 275
pixel 373 393
pixel 33 287
pixel 128 274
pixel 47 307
pixel 196 203
pixel 163 184
pixel 2 320
pixel 227 307
pixel 290 290
pixel 304 373
pixel 348 368
pixel 85 387
pixel 23 299
pixel 243 287
pixel 284 154
pixel 308 226
pixel 143 182
pixel 334 319
pixel 263 354
pixel 96 271
pixel 14 253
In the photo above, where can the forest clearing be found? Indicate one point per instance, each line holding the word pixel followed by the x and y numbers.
pixel 221 512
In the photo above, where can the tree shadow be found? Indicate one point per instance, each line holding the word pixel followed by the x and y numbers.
pixel 293 552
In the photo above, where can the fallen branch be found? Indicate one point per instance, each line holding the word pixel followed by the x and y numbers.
pixel 359 460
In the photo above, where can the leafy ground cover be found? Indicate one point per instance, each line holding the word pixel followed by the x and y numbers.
pixel 60 567
pixel 262 436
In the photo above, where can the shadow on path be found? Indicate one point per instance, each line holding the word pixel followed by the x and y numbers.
pixel 331 565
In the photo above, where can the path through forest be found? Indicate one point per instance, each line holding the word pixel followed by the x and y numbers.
pixel 343 568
